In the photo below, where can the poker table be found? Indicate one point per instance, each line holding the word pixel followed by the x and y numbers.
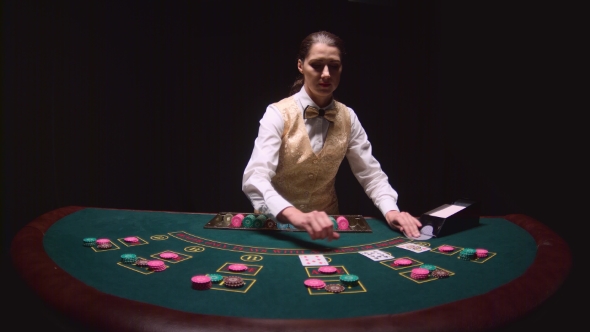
pixel 526 264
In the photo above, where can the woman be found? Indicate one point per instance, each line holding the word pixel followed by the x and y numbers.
pixel 301 142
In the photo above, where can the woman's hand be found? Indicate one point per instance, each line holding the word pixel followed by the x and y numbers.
pixel 404 222
pixel 316 223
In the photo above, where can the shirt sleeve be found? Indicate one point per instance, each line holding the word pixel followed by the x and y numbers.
pixel 367 169
pixel 256 181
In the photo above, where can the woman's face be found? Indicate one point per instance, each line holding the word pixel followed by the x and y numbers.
pixel 321 70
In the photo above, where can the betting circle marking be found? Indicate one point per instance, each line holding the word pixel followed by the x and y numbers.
pixel 159 237
pixel 194 249
pixel 251 258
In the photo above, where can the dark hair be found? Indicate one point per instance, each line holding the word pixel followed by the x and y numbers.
pixel 323 37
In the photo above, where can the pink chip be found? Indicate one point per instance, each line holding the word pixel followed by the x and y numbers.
pixel 236 221
pixel 102 241
pixel 402 261
pixel 131 239
pixel 201 279
pixel 314 283
pixel 237 267
pixel 327 269
pixel 155 264
pixel 168 255
pixel 342 223
pixel 420 271
pixel 481 252
pixel 445 248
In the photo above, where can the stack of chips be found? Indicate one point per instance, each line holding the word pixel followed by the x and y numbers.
pixel 481 253
pixel 342 223
pixel 236 221
pixel 233 281
pixel 402 262
pixel 89 242
pixel 270 224
pixel 227 218
pixel 327 270
pixel 237 267
pixel 314 283
pixel 131 239
pixel 349 279
pixel 445 248
pixel 128 258
pixel 334 288
pixel 156 265
pixel 248 221
pixel 201 282
pixel 439 274
pixel 103 244
pixel 141 262
pixel 467 254
pixel 215 278
pixel 259 221
pixel 429 267
pixel 419 273
pixel 168 255
pixel 334 222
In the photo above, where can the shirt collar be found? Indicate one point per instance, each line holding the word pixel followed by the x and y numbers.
pixel 305 100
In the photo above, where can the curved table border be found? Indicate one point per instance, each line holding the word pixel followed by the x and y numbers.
pixel 89 307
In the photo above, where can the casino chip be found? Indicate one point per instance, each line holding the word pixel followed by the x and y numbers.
pixel 168 255
pixel 131 239
pixel 102 241
pixel 402 262
pixel 107 245
pixel 328 269
pixel 419 273
pixel 270 224
pixel 467 254
pixel 342 223
pixel 314 283
pixel 233 282
pixel 237 267
pixel 334 288
pixel 128 258
pixel 481 253
pixel 429 267
pixel 248 221
pixel 439 274
pixel 349 279
pixel 334 222
pixel 445 248
pixel 236 221
pixel 201 282
pixel 141 262
pixel 215 278
pixel 89 242
pixel 156 265
pixel 259 221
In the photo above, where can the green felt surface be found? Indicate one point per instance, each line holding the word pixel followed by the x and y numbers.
pixel 274 283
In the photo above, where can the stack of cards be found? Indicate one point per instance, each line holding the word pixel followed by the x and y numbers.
pixel 413 247
pixel 377 255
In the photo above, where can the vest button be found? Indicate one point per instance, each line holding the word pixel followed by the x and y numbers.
pixel 302 206
pixel 315 161
pixel 310 176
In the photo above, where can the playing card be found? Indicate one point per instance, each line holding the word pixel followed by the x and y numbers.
pixel 376 255
pixel 313 260
pixel 413 247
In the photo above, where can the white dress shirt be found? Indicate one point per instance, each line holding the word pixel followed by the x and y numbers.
pixel 256 182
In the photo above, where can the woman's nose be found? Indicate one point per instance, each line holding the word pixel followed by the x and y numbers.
pixel 326 71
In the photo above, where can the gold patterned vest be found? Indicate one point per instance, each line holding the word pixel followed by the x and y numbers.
pixel 303 178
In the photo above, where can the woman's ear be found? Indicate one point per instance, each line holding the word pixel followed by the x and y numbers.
pixel 300 66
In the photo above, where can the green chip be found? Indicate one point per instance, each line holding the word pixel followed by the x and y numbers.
pixel 248 222
pixel 429 267
pixel 349 278
pixel 215 278
pixel 334 222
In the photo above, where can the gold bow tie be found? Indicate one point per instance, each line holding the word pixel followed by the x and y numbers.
pixel 312 112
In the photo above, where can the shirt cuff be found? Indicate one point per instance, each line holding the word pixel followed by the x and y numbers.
pixel 387 205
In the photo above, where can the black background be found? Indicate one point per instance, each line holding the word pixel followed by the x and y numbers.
pixel 155 105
